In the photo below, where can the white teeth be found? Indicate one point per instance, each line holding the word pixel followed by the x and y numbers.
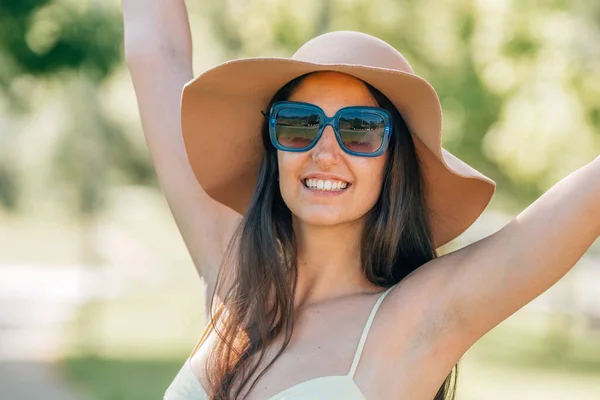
pixel 326 185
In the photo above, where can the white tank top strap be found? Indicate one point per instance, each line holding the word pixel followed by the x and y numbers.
pixel 365 333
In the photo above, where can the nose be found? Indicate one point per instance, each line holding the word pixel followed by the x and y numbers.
pixel 326 152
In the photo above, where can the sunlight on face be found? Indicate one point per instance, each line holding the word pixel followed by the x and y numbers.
pixel 331 91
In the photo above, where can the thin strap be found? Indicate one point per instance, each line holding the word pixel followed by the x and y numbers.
pixel 365 333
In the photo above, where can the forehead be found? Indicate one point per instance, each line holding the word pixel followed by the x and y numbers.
pixel 332 91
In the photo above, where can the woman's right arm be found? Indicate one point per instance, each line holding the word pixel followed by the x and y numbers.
pixel 158 51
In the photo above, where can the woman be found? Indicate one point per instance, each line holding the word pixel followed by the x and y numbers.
pixel 317 195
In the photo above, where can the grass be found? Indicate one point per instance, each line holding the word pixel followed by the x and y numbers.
pixel 533 356
pixel 114 379
pixel 551 352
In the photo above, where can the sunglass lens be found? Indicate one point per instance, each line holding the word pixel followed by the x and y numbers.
pixel 362 132
pixel 296 128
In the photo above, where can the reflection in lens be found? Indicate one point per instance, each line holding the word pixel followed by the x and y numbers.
pixel 296 128
pixel 362 132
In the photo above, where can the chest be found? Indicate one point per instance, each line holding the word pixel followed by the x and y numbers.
pixel 325 343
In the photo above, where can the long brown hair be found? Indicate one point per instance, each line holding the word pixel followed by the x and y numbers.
pixel 258 276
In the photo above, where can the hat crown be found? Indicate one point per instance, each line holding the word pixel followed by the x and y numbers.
pixel 349 47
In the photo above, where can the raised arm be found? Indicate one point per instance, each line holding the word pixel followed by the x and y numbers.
pixel 486 282
pixel 158 51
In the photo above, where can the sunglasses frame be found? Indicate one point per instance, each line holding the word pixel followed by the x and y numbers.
pixel 334 122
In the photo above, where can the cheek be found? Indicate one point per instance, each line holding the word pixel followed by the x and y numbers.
pixel 289 170
pixel 371 177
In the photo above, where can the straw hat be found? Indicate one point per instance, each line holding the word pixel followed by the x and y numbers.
pixel 221 119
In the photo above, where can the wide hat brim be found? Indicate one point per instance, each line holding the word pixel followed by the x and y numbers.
pixel 221 125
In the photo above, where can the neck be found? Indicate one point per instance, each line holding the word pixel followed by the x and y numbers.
pixel 329 262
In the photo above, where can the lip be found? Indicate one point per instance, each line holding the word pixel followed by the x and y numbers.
pixel 324 193
pixel 322 176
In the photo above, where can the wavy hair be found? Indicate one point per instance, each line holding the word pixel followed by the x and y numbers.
pixel 257 279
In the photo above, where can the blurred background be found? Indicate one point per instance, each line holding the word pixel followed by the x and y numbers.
pixel 98 296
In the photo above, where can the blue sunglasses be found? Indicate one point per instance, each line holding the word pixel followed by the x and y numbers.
pixel 360 130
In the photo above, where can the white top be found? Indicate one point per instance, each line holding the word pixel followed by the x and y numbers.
pixel 186 385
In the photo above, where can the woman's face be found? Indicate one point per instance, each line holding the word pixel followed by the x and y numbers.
pixel 327 161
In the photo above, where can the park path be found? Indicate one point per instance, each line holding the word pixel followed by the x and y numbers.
pixel 35 302
pixel 34 380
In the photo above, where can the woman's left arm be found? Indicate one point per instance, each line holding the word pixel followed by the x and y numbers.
pixel 496 276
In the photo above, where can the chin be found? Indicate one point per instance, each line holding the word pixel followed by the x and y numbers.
pixel 322 216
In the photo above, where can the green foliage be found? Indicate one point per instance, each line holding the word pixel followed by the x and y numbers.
pixel 522 44
pixel 81 45
pixel 41 37
pixel 91 148
pixel 9 191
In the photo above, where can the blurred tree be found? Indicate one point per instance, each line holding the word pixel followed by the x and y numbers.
pixel 44 40
pixel 80 44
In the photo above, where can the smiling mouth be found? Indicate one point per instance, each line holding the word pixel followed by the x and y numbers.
pixel 326 185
